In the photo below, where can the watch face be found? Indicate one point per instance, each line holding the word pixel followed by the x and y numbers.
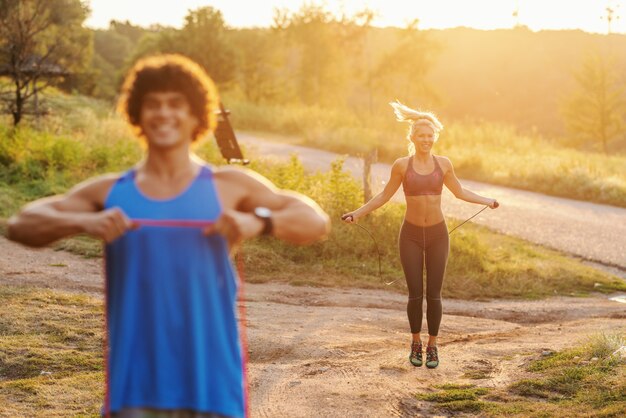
pixel 262 212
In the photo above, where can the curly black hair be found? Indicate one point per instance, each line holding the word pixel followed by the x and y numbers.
pixel 170 72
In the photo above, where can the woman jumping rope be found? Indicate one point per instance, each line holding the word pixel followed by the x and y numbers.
pixel 424 234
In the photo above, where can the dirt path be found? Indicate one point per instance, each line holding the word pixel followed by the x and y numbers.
pixel 335 352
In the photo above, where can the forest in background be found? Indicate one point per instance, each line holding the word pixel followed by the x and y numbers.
pixel 568 85
pixel 516 76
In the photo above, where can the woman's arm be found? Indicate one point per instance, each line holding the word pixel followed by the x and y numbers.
pixel 453 184
pixel 395 179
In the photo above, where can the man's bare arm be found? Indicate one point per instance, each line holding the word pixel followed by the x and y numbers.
pixel 296 218
pixel 78 211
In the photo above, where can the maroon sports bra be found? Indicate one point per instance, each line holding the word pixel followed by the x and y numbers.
pixel 415 184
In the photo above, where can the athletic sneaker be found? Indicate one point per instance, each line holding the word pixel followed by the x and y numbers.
pixel 432 359
pixel 416 354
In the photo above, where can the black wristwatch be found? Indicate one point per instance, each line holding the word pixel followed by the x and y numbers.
pixel 265 215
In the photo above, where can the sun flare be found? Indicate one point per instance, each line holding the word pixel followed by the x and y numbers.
pixel 588 15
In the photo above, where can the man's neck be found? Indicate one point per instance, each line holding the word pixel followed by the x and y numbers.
pixel 169 163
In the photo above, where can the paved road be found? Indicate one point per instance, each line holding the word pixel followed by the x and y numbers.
pixel 591 231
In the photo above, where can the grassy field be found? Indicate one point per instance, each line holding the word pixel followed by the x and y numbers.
pixel 481 151
pixel 82 138
pixel 483 265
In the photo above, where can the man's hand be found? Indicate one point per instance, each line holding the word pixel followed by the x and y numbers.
pixel 236 226
pixel 108 224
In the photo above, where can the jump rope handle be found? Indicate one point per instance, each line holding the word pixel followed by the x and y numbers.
pixel 496 204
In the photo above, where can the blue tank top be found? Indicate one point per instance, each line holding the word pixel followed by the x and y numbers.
pixel 171 306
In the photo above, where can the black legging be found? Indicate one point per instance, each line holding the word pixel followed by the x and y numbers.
pixel 418 244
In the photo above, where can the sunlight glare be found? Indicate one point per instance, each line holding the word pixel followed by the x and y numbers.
pixel 588 15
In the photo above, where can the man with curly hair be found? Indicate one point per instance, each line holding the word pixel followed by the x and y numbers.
pixel 169 224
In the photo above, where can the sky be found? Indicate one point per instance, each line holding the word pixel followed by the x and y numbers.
pixel 587 15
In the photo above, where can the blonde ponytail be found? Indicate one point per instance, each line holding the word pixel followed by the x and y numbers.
pixel 415 118
pixel 406 114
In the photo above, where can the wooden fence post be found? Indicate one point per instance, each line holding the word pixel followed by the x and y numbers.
pixel 369 159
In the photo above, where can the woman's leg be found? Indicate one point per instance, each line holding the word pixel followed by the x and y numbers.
pixel 412 259
pixel 436 261
pixel 437 248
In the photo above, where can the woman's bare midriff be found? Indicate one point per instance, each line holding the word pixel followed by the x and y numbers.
pixel 423 210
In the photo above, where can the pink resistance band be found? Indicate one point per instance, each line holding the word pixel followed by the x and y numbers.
pixel 181 223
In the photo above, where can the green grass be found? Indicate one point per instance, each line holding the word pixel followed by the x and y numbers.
pixel 501 267
pixel 585 380
pixel 481 151
pixel 483 264
pixel 452 393
pixel 488 152
pixel 81 245
pixel 456 398
pixel 50 353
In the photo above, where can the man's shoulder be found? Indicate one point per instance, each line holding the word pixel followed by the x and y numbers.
pixel 103 181
pixel 227 171
pixel 96 189
pixel 241 177
pixel 232 173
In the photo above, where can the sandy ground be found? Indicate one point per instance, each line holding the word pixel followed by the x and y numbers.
pixel 318 352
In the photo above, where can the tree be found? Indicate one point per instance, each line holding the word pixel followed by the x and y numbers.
pixel 203 39
pixel 126 29
pixel 41 41
pixel 360 28
pixel 596 111
pixel 113 49
pixel 259 65
pixel 403 69
pixel 112 46
pixel 319 65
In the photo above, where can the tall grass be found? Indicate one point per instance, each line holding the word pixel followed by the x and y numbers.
pixel 499 155
pixel 480 151
pixel 66 149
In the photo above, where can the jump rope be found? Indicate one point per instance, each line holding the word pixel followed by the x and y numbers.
pixel 380 271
